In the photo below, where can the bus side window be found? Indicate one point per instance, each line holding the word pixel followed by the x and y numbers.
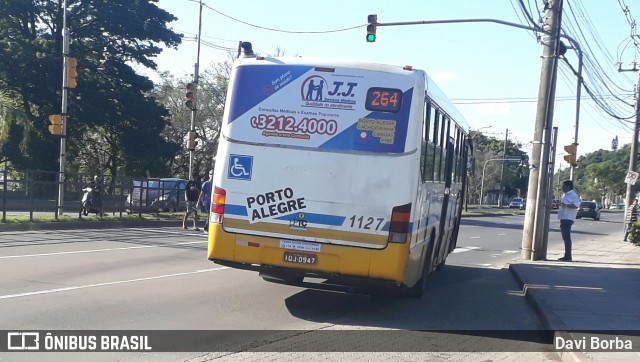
pixel 457 141
pixel 448 152
pixel 437 150
pixel 448 174
pixel 424 156
pixel 441 147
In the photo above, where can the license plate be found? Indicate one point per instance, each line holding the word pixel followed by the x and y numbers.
pixel 300 258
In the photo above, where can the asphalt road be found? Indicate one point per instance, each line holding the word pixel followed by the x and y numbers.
pixel 159 279
pixel 494 241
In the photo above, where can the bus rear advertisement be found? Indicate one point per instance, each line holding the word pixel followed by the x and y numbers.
pixel 320 172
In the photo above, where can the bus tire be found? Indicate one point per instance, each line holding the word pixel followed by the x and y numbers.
pixel 418 289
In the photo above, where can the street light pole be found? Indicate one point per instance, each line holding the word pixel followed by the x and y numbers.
pixel 504 154
pixel 484 168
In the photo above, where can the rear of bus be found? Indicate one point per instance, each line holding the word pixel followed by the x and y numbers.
pixel 315 173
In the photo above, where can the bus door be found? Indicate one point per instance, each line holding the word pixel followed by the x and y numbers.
pixel 445 212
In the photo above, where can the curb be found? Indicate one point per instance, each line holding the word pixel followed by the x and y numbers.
pixel 87 225
pixel 549 319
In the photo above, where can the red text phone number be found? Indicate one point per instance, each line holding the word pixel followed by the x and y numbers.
pixel 288 124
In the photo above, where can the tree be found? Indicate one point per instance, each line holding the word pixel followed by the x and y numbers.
pixel 212 89
pixel 490 148
pixel 111 109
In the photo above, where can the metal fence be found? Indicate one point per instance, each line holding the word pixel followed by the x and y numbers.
pixel 35 191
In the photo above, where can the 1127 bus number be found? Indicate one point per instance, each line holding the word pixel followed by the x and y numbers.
pixel 366 222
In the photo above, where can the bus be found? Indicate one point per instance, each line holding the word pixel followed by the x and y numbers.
pixel 347 171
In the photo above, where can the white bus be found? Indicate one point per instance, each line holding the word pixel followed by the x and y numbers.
pixel 342 170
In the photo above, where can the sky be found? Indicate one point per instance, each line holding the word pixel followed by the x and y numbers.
pixel 490 71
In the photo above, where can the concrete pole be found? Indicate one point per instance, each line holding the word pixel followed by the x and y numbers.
pixel 633 154
pixel 540 153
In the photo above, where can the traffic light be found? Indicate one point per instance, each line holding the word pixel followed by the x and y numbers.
pixel 571 150
pixel 371 28
pixel 191 142
pixel 71 72
pixel 55 128
pixel 190 96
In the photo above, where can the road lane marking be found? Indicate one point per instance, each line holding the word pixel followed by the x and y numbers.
pixel 57 290
pixel 100 250
pixel 465 248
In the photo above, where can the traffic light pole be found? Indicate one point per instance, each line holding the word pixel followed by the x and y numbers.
pixel 196 71
pixel 538 184
pixel 65 91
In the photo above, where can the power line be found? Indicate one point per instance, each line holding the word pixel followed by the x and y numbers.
pixel 281 30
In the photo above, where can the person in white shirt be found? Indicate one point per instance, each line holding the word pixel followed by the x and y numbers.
pixel 567 211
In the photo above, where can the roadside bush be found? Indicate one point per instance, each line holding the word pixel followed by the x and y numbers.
pixel 634 236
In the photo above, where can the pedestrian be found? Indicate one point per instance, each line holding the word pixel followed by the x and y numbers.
pixel 205 199
pixel 630 218
pixel 191 194
pixel 569 203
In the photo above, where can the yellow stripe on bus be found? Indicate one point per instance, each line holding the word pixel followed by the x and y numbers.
pixel 347 236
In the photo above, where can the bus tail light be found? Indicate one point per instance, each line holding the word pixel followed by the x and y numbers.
pixel 399 228
pixel 217 204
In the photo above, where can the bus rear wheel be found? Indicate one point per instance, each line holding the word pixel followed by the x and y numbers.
pixel 418 289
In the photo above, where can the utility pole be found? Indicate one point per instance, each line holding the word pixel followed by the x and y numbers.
pixel 633 154
pixel 541 253
pixel 65 92
pixel 537 192
pixel 194 109
pixel 504 156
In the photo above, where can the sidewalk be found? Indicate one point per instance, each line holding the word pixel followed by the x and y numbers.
pixel 599 292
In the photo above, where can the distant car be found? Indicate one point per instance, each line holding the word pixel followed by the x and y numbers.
pixel 516 203
pixel 555 203
pixel 589 209
pixel 156 195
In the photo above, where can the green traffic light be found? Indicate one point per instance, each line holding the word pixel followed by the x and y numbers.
pixel 371 38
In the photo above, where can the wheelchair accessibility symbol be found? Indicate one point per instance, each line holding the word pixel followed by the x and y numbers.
pixel 240 167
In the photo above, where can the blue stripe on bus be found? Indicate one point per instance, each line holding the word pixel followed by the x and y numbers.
pixel 239 210
pixel 321 219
